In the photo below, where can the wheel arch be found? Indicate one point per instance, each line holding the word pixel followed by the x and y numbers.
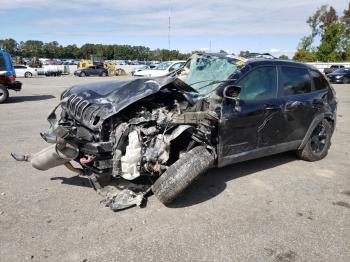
pixel 320 117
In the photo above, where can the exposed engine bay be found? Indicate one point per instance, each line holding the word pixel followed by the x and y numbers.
pixel 137 145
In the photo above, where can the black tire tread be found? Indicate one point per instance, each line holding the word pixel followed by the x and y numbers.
pixel 182 173
pixel 6 94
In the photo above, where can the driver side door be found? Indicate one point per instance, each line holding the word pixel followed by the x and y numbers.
pixel 244 128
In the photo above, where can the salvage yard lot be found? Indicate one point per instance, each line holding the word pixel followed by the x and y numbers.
pixel 276 208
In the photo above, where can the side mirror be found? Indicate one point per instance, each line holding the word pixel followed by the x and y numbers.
pixel 232 92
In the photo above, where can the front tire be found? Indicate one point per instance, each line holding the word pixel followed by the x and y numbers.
pixel 28 75
pixel 318 143
pixel 82 74
pixel 346 80
pixel 182 173
pixel 4 94
pixel 103 74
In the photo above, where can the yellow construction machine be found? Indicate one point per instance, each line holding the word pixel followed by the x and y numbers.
pixel 113 70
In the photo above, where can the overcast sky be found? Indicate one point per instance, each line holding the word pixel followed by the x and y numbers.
pixel 255 25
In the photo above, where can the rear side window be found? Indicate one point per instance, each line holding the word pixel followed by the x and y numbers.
pixel 319 80
pixel 295 80
pixel 2 63
pixel 261 83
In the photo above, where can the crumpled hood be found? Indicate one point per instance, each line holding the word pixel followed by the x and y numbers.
pixel 112 91
pixel 92 103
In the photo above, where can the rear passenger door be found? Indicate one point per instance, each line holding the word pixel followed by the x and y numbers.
pixel 295 92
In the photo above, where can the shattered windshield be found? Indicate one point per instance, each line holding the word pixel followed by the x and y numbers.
pixel 203 72
pixel 163 66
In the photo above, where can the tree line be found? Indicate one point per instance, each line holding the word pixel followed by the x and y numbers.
pixel 35 48
pixel 329 39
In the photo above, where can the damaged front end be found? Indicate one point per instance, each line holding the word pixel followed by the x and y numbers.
pixel 124 148
pixel 147 134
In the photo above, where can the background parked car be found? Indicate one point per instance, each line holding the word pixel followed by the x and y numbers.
pixel 340 76
pixel 25 71
pixel 161 70
pixel 139 69
pixel 92 71
pixel 332 69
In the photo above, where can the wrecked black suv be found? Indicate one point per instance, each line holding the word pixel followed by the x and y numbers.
pixel 159 134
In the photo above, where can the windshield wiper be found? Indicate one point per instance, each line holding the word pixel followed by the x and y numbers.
pixel 214 82
pixel 200 82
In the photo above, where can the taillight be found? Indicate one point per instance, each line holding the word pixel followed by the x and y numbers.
pixel 11 78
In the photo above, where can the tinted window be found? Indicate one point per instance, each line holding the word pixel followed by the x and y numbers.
pixel 259 84
pixel 295 80
pixel 319 80
pixel 2 63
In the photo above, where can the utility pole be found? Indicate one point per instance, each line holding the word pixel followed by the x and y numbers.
pixel 169 26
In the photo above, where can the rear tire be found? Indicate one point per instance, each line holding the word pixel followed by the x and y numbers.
pixel 182 173
pixel 318 143
pixel 82 74
pixel 103 74
pixel 4 94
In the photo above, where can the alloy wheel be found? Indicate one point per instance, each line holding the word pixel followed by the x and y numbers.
pixel 318 139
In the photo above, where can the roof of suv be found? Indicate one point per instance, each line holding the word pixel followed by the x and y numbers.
pixel 259 61
pixel 264 61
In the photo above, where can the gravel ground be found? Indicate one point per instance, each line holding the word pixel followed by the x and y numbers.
pixel 276 208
